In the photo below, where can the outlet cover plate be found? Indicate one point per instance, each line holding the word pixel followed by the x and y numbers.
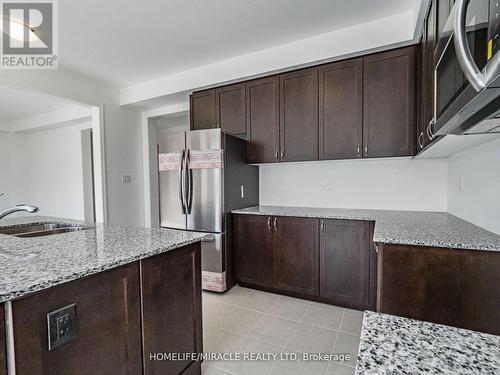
pixel 61 325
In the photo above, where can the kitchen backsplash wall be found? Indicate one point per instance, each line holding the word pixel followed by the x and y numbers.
pixel 474 185
pixel 393 184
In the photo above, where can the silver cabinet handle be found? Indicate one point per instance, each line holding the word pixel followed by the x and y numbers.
pixel 420 136
pixel 366 148
pixel 375 247
pixel 322 224
pixel 359 150
pixel 269 223
pixel 282 154
pixel 430 134
pixel 275 224
pixel 276 156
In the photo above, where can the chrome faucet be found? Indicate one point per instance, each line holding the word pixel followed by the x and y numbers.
pixel 18 208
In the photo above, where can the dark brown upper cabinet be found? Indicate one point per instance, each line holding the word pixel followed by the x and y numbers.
pixel 203 113
pixel 3 360
pixel 223 107
pixel 255 250
pixel 425 85
pixel 341 110
pixel 362 107
pixel 230 105
pixel 263 120
pixel 296 254
pixel 299 115
pixel 389 104
pixel 345 250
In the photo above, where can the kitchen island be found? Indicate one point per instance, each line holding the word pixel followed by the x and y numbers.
pixel 102 300
pixel 394 345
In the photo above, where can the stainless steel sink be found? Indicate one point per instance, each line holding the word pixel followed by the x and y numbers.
pixel 39 230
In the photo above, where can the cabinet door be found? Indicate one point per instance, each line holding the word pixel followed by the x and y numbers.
pixel 341 110
pixel 454 287
pixel 230 105
pixel 203 114
pixel 345 262
pixel 389 104
pixel 428 73
pixel 425 87
pixel 171 299
pixel 254 250
pixel 297 255
pixel 3 361
pixel 108 319
pixel 299 115
pixel 263 120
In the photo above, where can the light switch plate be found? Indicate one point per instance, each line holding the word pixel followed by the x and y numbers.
pixel 61 326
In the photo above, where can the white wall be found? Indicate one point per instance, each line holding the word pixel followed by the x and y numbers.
pixel 394 184
pixel 5 173
pixel 46 170
pixel 479 201
pixel 122 128
pixel 393 30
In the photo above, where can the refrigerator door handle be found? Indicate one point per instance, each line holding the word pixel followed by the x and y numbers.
pixel 189 183
pixel 181 184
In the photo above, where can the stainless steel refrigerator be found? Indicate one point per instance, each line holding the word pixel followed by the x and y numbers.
pixel 203 175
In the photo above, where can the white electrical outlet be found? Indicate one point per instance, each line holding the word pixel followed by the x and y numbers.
pixel 461 183
pixel 126 179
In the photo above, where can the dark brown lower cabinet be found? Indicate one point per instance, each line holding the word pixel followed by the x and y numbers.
pixel 288 255
pixel 348 263
pixel 112 337
pixel 255 257
pixel 108 319
pixel 172 317
pixel 447 286
pixel 3 361
pixel 296 254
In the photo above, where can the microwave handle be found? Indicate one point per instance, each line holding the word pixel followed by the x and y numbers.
pixel 478 80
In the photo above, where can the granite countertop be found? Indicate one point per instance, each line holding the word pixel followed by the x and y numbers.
pixel 395 345
pixel 438 229
pixel 28 265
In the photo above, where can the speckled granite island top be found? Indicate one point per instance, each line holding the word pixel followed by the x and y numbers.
pixel 438 229
pixel 394 345
pixel 32 264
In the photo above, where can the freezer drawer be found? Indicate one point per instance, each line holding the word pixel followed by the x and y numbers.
pixel 212 253
pixel 212 260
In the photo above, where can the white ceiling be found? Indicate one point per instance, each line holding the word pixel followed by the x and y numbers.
pixel 126 41
pixel 17 103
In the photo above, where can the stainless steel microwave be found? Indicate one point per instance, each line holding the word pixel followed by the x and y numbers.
pixel 467 70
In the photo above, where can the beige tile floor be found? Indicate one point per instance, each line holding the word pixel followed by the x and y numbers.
pixel 246 321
